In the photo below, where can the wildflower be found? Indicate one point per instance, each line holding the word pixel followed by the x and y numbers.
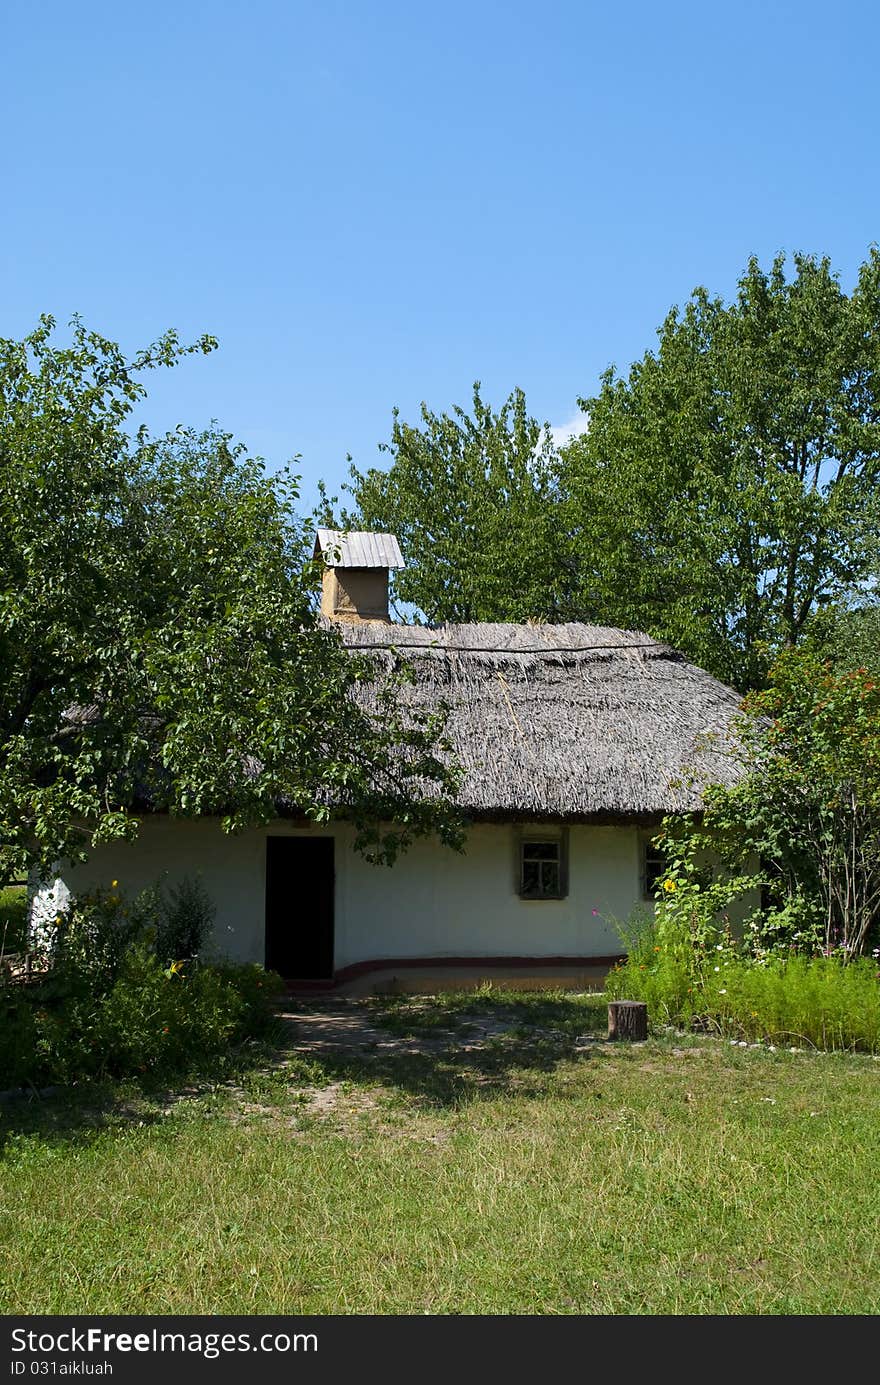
pixel 595 913
pixel 722 992
pixel 669 886
pixel 717 968
pixel 175 968
pixel 113 884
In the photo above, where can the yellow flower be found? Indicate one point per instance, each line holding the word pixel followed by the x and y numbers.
pixel 175 968
pixel 669 886
pixel 113 884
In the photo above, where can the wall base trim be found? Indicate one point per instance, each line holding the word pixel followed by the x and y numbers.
pixel 355 970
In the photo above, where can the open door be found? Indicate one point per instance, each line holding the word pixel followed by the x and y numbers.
pixel 299 907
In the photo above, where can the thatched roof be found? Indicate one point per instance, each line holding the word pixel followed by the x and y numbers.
pixel 566 721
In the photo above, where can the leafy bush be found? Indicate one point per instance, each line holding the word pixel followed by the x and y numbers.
pixel 152 1019
pixel 162 1018
pixel 663 976
pixel 258 991
pixel 18 1038
pixel 186 918
pixel 805 804
pixel 92 938
pixel 124 995
pixel 95 934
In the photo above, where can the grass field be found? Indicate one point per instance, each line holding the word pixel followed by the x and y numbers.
pixel 13 911
pixel 465 1155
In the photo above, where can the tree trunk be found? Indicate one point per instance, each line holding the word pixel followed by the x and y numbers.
pixel 628 1019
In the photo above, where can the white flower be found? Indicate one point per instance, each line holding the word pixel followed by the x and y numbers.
pixel 717 968
pixel 722 992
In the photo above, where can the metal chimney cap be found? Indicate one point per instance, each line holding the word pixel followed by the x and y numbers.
pixel 357 548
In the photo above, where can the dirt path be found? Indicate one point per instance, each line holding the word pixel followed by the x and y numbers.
pixel 347 1026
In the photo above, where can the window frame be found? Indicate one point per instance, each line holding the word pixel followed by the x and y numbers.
pixel 541 836
pixel 650 859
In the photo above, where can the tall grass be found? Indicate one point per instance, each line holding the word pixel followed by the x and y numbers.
pixel 13 918
pixel 821 1001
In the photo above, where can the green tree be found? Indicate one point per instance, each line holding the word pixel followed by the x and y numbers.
pixel 849 637
pixel 806 808
pixel 727 487
pixel 157 634
pixel 475 502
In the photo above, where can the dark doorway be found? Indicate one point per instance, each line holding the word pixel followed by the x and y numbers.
pixel 299 907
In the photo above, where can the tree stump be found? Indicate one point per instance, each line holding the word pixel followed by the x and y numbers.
pixel 628 1019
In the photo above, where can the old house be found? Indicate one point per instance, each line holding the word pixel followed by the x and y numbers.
pixel 575 740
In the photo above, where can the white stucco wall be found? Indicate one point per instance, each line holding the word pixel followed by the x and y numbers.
pixel 49 900
pixel 432 903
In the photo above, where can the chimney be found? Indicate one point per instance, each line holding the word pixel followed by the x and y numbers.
pixel 356 568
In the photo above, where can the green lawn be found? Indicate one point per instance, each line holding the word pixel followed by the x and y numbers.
pixel 13 918
pixel 492 1159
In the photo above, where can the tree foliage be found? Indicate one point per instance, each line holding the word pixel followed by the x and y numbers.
pixel 474 499
pixel 807 808
pixel 727 487
pixel 849 637
pixel 157 635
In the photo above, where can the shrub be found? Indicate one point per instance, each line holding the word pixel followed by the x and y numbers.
pixel 805 803
pixel 92 938
pixel 163 1018
pixel 18 1038
pixel 258 991
pixel 152 1018
pixel 186 918
pixel 126 995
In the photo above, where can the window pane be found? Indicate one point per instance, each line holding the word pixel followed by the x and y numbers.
pixel 655 869
pixel 540 851
pixel 541 869
pixel 550 878
pixel 531 879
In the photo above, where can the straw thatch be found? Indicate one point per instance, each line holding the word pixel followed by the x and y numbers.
pixel 566 721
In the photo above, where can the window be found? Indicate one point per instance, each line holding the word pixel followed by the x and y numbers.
pixel 541 868
pixel 653 867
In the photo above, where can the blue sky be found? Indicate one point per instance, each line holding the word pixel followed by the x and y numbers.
pixel 376 204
